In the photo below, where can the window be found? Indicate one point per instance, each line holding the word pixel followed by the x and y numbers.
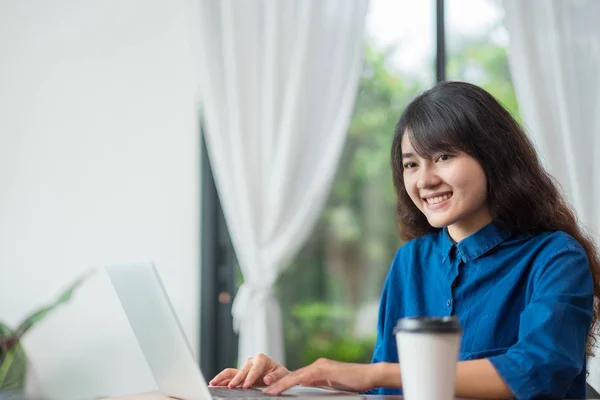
pixel 329 295
pixel 477 48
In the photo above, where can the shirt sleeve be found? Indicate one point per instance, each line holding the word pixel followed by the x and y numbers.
pixel 554 326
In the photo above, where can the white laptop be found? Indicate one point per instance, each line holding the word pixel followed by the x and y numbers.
pixel 165 347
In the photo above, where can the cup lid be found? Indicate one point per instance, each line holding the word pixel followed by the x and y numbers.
pixel 428 324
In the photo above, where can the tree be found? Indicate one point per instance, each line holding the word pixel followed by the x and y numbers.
pixel 485 64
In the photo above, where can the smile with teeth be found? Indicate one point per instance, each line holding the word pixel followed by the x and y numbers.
pixel 438 199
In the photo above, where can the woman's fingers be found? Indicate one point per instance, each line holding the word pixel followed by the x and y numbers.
pixel 274 376
pixel 260 369
pixel 225 382
pixel 241 375
pixel 310 375
pixel 288 381
pixel 260 366
pixel 225 375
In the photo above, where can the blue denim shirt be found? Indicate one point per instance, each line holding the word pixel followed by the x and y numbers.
pixel 525 303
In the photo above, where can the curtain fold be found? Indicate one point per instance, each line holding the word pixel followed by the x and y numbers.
pixel 278 80
pixel 554 57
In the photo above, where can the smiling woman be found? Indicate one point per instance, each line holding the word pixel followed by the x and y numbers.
pixel 469 185
pixel 483 220
pixel 449 189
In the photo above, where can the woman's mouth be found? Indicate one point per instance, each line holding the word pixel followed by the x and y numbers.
pixel 438 201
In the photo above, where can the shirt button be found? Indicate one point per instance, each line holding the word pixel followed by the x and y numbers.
pixel 448 302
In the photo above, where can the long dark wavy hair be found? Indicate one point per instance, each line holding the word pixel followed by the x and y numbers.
pixel 458 116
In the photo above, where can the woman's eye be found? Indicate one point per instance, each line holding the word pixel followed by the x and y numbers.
pixel 409 165
pixel 444 157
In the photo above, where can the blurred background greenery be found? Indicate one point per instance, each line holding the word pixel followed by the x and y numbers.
pixel 329 295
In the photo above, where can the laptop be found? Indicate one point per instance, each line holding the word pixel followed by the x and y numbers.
pixel 164 345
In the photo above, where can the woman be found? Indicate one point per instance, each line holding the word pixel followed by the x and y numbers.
pixel 492 241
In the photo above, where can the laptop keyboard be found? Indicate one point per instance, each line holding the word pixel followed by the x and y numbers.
pixel 227 393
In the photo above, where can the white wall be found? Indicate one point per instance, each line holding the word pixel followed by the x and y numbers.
pixel 98 164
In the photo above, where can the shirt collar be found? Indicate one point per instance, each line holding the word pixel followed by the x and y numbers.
pixel 475 245
pixel 446 244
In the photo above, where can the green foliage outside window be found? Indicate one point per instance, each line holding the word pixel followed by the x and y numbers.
pixel 342 267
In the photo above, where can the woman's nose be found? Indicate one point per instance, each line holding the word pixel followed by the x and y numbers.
pixel 427 178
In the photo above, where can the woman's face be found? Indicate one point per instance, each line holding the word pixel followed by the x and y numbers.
pixel 449 188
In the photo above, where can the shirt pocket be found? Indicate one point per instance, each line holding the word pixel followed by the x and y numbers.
pixel 477 355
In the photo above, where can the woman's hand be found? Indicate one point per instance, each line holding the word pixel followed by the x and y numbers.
pixel 329 374
pixel 258 371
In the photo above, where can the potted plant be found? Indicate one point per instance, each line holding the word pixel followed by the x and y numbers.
pixel 13 359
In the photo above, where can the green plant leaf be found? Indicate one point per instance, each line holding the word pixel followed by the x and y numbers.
pixel 13 368
pixel 40 314
pixel 7 339
pixel 5 366
pixel 5 334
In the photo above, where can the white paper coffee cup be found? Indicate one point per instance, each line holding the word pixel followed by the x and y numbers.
pixel 428 351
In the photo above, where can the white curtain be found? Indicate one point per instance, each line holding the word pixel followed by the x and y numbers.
pixel 278 81
pixel 554 56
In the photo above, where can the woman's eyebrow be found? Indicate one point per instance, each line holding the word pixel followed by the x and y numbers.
pixel 407 155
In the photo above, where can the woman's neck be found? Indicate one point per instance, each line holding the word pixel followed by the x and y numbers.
pixel 468 226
